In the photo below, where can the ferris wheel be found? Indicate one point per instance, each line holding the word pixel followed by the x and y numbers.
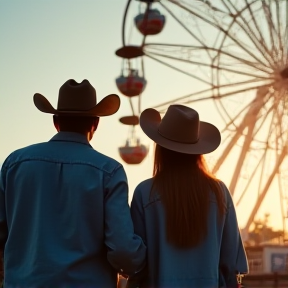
pixel 239 55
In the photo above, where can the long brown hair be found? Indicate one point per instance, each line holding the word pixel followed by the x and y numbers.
pixel 184 184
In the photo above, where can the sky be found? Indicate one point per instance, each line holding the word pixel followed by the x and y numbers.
pixel 45 43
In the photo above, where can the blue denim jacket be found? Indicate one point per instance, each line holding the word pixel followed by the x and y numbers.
pixel 210 265
pixel 64 217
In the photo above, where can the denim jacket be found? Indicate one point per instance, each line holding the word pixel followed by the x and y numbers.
pixel 64 217
pixel 212 264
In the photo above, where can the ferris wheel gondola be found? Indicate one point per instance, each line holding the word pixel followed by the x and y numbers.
pixel 150 22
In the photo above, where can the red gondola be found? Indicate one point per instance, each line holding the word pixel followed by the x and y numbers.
pixel 133 154
pixel 131 85
pixel 150 23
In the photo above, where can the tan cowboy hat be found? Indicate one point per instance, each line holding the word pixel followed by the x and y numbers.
pixel 78 99
pixel 180 130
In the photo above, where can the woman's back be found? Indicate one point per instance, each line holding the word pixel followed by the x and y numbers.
pixel 169 266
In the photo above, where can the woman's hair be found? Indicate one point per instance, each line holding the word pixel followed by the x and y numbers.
pixel 184 185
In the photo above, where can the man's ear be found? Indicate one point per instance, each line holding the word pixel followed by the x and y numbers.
pixel 56 122
pixel 95 123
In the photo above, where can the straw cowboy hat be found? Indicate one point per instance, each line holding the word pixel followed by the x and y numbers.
pixel 180 130
pixel 78 99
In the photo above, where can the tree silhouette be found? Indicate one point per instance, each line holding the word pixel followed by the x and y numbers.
pixel 263 233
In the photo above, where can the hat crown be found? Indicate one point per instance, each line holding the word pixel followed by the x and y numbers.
pixel 180 124
pixel 75 96
pixel 180 130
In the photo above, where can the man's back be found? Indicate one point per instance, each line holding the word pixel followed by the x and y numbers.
pixel 63 203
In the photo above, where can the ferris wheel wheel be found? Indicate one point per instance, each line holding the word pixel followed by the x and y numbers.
pixel 239 54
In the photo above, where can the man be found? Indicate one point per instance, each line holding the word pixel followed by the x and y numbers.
pixel 64 214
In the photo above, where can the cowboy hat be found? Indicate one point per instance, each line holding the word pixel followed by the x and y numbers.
pixel 180 130
pixel 78 99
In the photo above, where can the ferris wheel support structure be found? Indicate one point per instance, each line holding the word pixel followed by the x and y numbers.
pixel 265 189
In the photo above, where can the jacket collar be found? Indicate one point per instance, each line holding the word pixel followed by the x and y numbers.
pixel 70 137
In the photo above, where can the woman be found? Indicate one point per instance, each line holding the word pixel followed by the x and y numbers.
pixel 185 215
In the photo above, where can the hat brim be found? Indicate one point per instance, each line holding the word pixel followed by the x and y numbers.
pixel 209 135
pixel 109 105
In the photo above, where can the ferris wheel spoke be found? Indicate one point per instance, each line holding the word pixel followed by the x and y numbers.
pixel 260 44
pixel 225 137
pixel 124 22
pixel 244 191
pixel 277 133
pixel 283 33
pixel 236 116
pixel 182 24
pixel 209 5
pixel 239 44
pixel 238 91
pixel 263 193
pixel 196 96
pixel 285 53
pixel 246 82
pixel 139 103
pixel 258 105
pixel 233 121
pixel 224 3
pixel 179 70
pixel 264 118
pixel 266 9
pixel 254 21
pixel 274 29
pixel 278 128
pixel 271 26
pixel 225 31
pixel 247 147
pixel 169 49
pixel 282 199
pixel 204 95
pixel 260 184
pixel 252 119
pixel 248 121
pixel 140 96
pixel 282 131
pixel 228 148
pixel 265 160
pixel 247 29
pixel 131 106
pixel 206 65
pixel 279 27
pixel 192 8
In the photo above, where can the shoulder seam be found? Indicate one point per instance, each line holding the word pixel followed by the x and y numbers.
pixel 61 162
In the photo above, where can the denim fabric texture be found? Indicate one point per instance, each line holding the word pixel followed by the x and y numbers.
pixel 64 217
pixel 212 264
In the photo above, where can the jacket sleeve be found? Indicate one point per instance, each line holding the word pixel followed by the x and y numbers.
pixel 137 213
pixel 233 258
pixel 126 251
